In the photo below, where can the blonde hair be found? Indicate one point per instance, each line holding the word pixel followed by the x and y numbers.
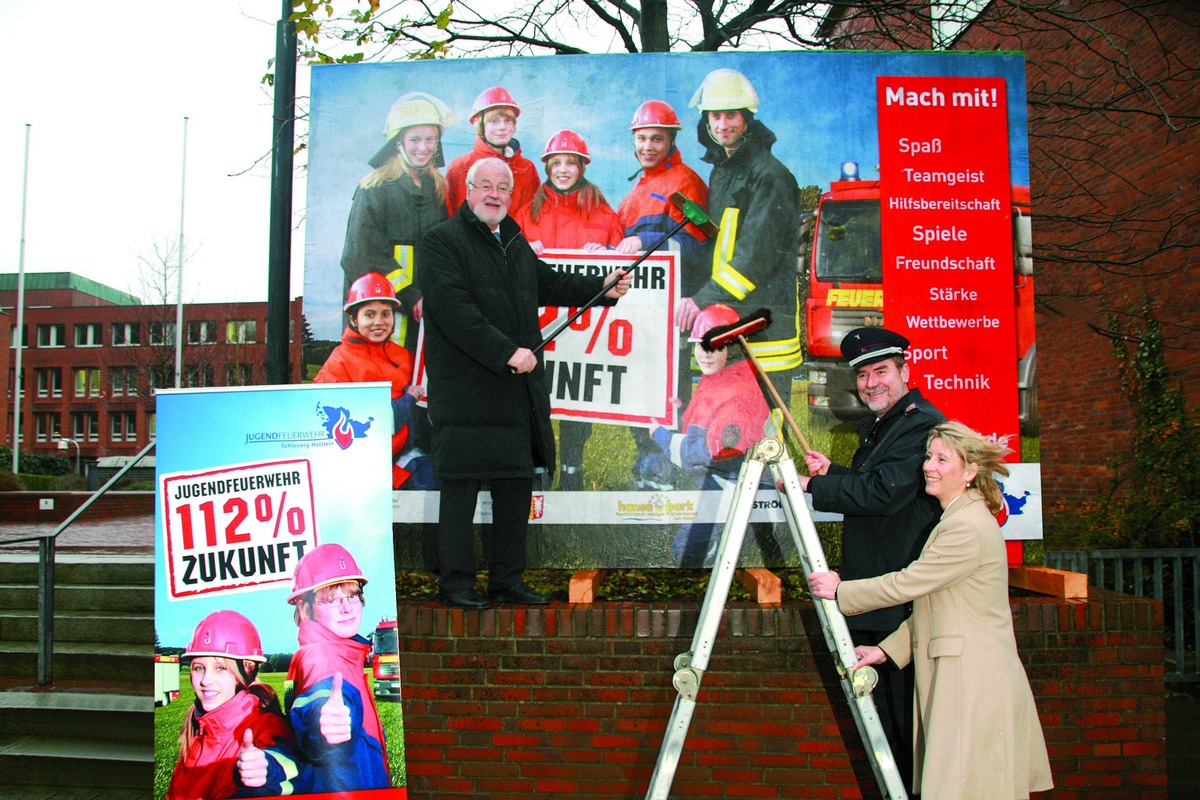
pixel 304 606
pixel 397 167
pixel 973 448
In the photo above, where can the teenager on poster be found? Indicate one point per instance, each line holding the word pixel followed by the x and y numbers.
pixel 568 212
pixel 329 703
pixel 648 215
pixel 401 198
pixel 367 353
pixel 234 719
pixel 494 117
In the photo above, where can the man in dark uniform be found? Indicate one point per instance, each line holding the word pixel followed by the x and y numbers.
pixel 881 495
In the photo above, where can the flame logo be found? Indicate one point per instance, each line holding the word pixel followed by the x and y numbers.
pixel 343 434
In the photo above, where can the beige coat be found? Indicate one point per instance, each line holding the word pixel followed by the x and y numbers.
pixel 977 732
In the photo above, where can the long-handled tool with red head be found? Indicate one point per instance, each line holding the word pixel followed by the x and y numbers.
pixel 721 335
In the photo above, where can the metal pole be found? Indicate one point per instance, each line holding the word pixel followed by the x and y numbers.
pixel 279 266
pixel 16 389
pixel 179 274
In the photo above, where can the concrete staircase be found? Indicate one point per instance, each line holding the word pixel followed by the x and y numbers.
pixel 90 734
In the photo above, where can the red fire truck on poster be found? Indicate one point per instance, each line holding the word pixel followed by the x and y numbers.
pixel 845 291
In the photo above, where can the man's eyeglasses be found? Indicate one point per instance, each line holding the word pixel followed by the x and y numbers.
pixel 341 600
pixel 488 188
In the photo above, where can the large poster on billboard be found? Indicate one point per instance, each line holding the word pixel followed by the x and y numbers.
pixel 275 593
pixel 622 379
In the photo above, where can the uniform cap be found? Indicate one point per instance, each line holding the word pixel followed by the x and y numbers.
pixel 863 346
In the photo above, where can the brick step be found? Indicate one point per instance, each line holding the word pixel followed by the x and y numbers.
pixel 128 627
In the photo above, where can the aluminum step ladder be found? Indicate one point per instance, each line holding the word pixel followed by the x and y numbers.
pixel 690 666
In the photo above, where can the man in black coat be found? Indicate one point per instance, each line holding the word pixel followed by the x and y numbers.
pixel 881 495
pixel 488 401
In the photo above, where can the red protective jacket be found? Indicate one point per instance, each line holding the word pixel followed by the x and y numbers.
pixel 207 772
pixel 525 174
pixel 729 407
pixel 562 223
pixel 646 212
pixel 357 360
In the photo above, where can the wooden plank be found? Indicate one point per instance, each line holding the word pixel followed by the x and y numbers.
pixel 584 585
pixel 1053 582
pixel 762 584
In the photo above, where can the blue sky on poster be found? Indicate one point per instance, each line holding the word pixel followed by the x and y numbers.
pixel 821 106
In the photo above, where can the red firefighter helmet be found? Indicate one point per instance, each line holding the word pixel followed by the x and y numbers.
pixel 654 114
pixel 495 97
pixel 371 286
pixel 324 565
pixel 226 634
pixel 714 316
pixel 568 142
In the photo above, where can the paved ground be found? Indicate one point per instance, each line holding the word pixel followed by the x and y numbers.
pixel 106 536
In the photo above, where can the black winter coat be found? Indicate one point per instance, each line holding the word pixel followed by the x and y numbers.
pixel 887 514
pixel 481 304
pixel 755 201
pixel 395 213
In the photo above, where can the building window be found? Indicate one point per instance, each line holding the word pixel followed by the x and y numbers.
pixel 49 382
pixel 15 337
pixel 239 375
pixel 87 383
pixel 152 424
pixel 89 334
pixel 16 380
pixel 123 426
pixel 126 334
pixel 202 332
pixel 162 333
pixel 198 377
pixel 51 335
pixel 47 425
pixel 241 331
pixel 86 426
pixel 124 381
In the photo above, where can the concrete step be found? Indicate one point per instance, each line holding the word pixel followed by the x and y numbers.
pixel 131 663
pixel 125 570
pixel 78 716
pixel 73 762
pixel 79 597
pixel 129 627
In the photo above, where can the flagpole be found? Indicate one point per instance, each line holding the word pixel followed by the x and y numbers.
pixel 179 272
pixel 20 346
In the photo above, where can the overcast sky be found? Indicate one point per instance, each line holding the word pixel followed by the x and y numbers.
pixel 105 88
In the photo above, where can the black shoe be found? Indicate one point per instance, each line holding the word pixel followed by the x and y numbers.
pixel 519 594
pixel 463 598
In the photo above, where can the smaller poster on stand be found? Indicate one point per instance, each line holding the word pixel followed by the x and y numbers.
pixel 275 590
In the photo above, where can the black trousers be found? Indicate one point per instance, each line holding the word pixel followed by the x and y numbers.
pixel 456 532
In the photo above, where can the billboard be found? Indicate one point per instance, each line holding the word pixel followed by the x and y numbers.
pixel 822 109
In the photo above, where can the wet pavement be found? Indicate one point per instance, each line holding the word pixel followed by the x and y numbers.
pixel 121 536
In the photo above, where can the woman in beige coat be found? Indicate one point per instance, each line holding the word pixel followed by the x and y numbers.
pixel 977 731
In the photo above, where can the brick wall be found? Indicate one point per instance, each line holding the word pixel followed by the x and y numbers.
pixel 571 701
